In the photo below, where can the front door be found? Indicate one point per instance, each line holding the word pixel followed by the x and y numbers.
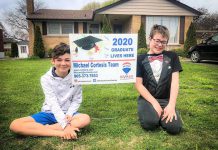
pixel 117 28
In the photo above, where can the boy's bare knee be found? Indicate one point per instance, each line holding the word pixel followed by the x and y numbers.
pixel 15 125
pixel 84 119
pixel 87 119
pixel 18 124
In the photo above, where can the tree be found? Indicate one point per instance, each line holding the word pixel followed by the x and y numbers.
pixel 96 5
pixel 38 48
pixel 207 21
pixel 14 50
pixel 108 2
pixel 190 37
pixel 142 37
pixel 16 19
pixel 92 6
pixel 106 28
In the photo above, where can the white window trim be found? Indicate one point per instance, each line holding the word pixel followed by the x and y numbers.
pixel 23 46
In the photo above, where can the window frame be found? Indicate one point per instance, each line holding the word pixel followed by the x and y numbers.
pixel 22 50
pixel 94 23
pixel 163 19
pixel 60 28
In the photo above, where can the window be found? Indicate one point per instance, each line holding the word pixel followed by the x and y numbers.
pixel 23 49
pixel 94 28
pixel 172 23
pixel 67 28
pixel 60 28
pixel 53 28
pixel 215 38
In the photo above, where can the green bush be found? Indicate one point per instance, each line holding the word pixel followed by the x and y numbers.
pixel 180 52
pixel 14 50
pixel 190 37
pixel 38 48
pixel 142 51
pixel 142 37
pixel 8 53
pixel 49 52
pixel 106 28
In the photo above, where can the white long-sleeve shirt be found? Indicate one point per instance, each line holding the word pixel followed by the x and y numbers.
pixel 61 96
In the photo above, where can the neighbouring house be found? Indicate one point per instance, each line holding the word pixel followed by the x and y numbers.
pixel 125 16
pixel 2 53
pixel 23 50
pixel 7 44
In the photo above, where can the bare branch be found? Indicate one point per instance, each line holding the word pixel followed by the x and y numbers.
pixel 16 19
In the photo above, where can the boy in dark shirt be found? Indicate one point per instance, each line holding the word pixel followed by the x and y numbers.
pixel 158 84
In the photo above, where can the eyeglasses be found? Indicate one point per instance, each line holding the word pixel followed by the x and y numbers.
pixel 158 42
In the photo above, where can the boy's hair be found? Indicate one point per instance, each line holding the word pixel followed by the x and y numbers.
pixel 159 29
pixel 60 50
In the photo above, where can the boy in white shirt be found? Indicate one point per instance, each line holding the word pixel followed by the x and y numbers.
pixel 59 116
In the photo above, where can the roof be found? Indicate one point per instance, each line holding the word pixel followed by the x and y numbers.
pixel 54 14
pixel 23 43
pixel 172 1
pixel 9 40
pixel 58 14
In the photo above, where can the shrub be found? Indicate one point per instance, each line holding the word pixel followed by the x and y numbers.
pixel 14 50
pixel 106 28
pixel 8 53
pixel 142 37
pixel 50 52
pixel 142 51
pixel 38 48
pixel 190 38
pixel 180 52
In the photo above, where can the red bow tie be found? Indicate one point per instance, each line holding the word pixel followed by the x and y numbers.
pixel 153 58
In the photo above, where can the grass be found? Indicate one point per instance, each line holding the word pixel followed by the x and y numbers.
pixel 113 109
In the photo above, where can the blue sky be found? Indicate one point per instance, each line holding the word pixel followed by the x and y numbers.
pixel 211 5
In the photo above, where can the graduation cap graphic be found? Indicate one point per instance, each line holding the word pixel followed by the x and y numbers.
pixel 87 43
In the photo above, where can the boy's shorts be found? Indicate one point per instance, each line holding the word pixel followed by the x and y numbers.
pixel 46 118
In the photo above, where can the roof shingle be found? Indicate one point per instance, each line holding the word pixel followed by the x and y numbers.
pixel 55 14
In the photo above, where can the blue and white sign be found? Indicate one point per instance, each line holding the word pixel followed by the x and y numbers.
pixel 103 58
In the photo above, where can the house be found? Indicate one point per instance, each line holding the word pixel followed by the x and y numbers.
pixel 7 44
pixel 125 16
pixel 23 50
pixel 2 54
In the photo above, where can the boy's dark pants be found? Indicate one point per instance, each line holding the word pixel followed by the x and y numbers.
pixel 150 120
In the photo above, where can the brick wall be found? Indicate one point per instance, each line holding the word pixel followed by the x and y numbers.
pixel 188 21
pixel 30 9
pixel 50 41
pixel 135 24
pixel 31 37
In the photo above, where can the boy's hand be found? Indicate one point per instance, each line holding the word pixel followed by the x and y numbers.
pixel 169 113
pixel 158 108
pixel 69 133
pixel 68 118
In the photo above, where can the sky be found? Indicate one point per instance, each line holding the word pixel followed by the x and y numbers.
pixel 211 5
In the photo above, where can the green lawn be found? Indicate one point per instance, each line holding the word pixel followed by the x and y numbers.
pixel 113 109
